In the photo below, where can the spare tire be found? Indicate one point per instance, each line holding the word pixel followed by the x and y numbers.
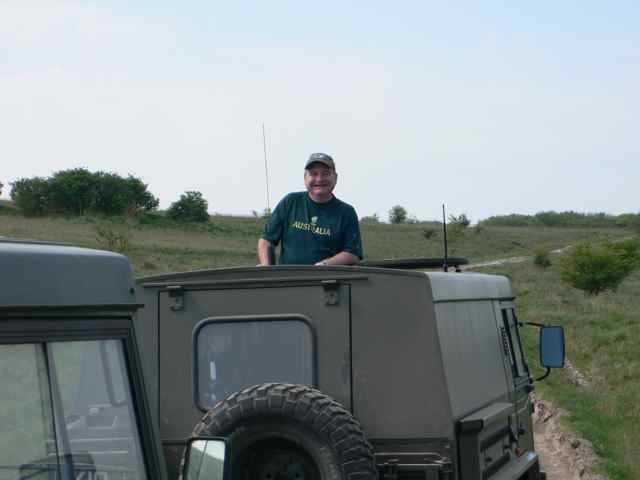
pixel 284 431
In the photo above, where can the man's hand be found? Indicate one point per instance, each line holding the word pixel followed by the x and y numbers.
pixel 342 258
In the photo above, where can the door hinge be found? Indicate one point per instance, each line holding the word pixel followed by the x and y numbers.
pixel 176 297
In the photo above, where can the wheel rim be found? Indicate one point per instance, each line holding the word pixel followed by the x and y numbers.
pixel 289 463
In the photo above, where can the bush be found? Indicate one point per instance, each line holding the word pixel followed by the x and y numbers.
pixel 73 191
pixel 597 268
pixel 140 199
pixel 78 191
pixel 429 233
pixel 461 220
pixel 562 219
pixel 190 208
pixel 31 195
pixel 110 195
pixel 370 220
pixel 541 258
pixel 115 195
pixel 397 214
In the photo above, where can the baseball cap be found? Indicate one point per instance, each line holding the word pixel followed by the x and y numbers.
pixel 321 158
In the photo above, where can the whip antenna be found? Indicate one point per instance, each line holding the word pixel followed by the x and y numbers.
pixel 445 267
pixel 266 169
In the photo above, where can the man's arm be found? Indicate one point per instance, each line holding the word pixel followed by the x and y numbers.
pixel 341 258
pixel 352 243
pixel 265 252
pixel 273 230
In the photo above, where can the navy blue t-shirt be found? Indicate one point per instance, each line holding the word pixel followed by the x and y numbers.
pixel 311 231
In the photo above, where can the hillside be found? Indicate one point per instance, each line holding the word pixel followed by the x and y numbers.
pixel 156 245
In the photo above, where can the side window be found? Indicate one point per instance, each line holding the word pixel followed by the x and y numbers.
pixel 511 337
pixel 68 406
pixel 98 410
pixel 26 416
pixel 232 355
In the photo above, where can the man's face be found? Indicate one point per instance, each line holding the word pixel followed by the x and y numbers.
pixel 320 181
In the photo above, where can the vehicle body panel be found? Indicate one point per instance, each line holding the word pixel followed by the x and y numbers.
pixel 413 355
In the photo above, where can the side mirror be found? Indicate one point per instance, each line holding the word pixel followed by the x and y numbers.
pixel 207 458
pixel 552 347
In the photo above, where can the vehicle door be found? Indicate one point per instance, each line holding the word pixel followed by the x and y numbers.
pixel 218 339
pixel 72 402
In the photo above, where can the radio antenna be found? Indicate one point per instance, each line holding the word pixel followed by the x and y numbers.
pixel 266 169
pixel 445 267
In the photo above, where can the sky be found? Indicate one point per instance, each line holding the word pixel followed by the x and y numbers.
pixel 490 107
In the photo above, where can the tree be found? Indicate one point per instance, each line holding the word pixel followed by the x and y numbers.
pixel 31 195
pixel 397 214
pixel 372 219
pixel 72 191
pixel 1 185
pixel 115 195
pixel 595 268
pixel 110 194
pixel 461 220
pixel 191 207
pixel 140 198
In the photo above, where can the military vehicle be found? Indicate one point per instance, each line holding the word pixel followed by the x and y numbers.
pixel 72 398
pixel 343 372
pixel 332 372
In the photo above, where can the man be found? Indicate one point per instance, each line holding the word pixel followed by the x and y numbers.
pixel 315 228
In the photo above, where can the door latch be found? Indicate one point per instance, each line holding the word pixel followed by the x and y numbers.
pixel 331 292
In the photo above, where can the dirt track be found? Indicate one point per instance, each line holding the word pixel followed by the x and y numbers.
pixel 564 456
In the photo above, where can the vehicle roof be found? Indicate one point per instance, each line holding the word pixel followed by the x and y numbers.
pixel 56 275
pixel 468 286
pixel 445 286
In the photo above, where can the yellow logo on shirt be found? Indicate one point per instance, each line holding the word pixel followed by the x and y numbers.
pixel 312 227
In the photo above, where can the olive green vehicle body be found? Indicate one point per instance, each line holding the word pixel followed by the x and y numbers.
pixel 73 402
pixel 430 363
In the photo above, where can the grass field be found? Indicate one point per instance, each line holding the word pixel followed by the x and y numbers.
pixel 158 246
pixel 603 332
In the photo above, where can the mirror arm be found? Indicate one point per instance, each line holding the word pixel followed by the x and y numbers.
pixel 545 375
pixel 535 324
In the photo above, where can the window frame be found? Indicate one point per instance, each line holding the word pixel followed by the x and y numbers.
pixel 43 324
pixel 293 317
pixel 519 377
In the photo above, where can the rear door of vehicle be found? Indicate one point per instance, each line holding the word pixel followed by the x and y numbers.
pixel 214 340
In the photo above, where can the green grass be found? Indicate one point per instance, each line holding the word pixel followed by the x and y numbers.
pixel 603 342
